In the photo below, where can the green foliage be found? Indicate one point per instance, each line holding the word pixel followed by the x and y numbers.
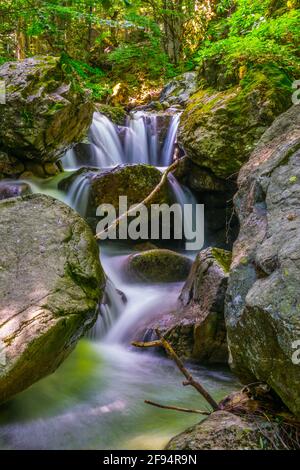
pixel 89 77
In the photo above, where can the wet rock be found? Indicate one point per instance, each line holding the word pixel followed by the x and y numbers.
pixel 220 129
pixel 10 189
pixel 116 114
pixel 45 112
pixel 225 431
pixel 158 265
pixel 51 282
pixel 262 307
pixel 10 166
pixel 134 181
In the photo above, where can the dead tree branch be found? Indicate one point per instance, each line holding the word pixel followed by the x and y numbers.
pixel 177 408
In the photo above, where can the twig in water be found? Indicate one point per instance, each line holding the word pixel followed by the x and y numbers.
pixel 177 408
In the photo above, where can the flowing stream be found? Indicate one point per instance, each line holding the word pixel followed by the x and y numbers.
pixel 95 400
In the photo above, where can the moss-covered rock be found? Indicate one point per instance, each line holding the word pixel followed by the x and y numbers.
pixel 196 329
pixel 219 129
pixel 134 181
pixel 263 302
pixel 226 431
pixel 51 282
pixel 158 265
pixel 45 112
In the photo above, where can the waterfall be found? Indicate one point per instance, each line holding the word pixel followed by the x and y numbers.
pixel 70 161
pixel 183 196
pixel 169 144
pixel 106 147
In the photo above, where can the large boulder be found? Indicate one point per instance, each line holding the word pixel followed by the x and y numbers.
pixel 45 111
pixel 158 265
pixel 51 282
pixel 196 329
pixel 263 303
pixel 226 431
pixel 219 129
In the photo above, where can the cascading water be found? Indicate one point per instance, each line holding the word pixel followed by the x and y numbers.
pixel 137 142
pixel 95 400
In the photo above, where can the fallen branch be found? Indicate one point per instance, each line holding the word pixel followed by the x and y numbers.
pixel 146 201
pixel 189 378
pixel 177 408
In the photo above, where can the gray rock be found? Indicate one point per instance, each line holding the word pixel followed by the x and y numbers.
pixel 51 282
pixel 13 188
pixel 262 308
pixel 179 89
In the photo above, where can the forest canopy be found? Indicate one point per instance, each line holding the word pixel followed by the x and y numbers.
pixel 143 43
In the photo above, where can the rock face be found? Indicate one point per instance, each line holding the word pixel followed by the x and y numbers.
pixel 44 112
pixel 158 265
pixel 180 89
pixel 262 308
pixel 225 431
pixel 220 129
pixel 51 282
pixel 196 329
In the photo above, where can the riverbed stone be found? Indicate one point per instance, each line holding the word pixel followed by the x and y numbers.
pixel 263 302
pixel 51 283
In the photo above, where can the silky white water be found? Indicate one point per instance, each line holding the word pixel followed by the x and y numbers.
pixel 95 400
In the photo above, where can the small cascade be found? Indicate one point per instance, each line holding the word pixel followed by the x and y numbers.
pixel 78 194
pixel 169 144
pixel 184 197
pixel 110 311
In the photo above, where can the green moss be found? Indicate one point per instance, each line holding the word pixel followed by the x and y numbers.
pixel 223 258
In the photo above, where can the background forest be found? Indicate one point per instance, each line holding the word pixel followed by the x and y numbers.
pixel 137 45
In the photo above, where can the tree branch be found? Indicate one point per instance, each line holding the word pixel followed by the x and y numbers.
pixel 177 408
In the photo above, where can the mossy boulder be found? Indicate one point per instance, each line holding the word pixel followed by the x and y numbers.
pixel 158 265
pixel 226 431
pixel 196 329
pixel 219 129
pixel 116 114
pixel 51 282
pixel 46 110
pixel 263 303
